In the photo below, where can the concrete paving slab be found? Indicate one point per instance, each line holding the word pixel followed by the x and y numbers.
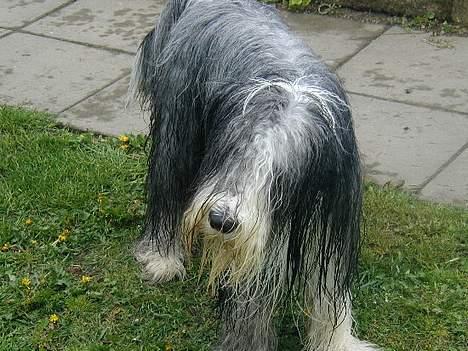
pixel 404 144
pixel 51 75
pixel 115 24
pixel 412 67
pixel 333 39
pixel 15 13
pixel 451 185
pixel 106 113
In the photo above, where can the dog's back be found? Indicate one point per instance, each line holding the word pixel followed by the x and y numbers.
pixel 235 41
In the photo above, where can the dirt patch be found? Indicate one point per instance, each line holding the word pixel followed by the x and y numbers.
pixel 428 22
pixel 437 16
pixel 441 9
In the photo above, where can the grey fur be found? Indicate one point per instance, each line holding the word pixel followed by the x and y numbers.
pixel 243 114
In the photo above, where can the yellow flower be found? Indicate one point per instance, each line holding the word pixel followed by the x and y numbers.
pixel 124 138
pixel 54 318
pixel 124 146
pixel 28 221
pixel 34 242
pixel 5 247
pixel 85 279
pixel 26 282
pixel 64 235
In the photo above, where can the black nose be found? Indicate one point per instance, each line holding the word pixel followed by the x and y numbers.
pixel 222 222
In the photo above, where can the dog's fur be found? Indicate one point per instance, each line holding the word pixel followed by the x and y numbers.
pixel 246 121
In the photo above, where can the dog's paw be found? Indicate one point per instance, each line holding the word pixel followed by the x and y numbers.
pixel 358 345
pixel 160 269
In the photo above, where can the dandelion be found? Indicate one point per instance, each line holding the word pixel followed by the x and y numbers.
pixel 123 139
pixel 28 221
pixel 85 279
pixel 26 282
pixel 5 247
pixel 63 236
pixel 54 318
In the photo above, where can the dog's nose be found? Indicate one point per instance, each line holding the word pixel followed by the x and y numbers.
pixel 222 222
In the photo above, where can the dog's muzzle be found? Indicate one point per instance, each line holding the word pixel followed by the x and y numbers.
pixel 222 221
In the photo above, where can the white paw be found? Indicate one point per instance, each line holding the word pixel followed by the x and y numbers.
pixel 160 269
pixel 358 345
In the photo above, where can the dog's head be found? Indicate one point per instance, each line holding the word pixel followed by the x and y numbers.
pixel 234 226
pixel 286 199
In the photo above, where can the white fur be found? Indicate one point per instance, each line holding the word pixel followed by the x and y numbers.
pixel 330 326
pixel 322 336
pixel 240 253
pixel 159 268
pixel 301 93
pixel 358 345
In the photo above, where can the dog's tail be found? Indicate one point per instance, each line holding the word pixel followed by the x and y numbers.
pixel 144 71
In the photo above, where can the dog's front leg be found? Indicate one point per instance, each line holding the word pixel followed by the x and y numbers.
pixel 172 169
pixel 160 266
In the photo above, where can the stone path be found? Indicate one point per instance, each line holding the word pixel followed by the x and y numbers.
pixel 409 91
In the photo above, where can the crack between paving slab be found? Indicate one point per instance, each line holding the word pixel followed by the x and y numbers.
pixel 408 31
pixel 5 34
pixel 409 103
pixel 442 168
pixel 58 8
pixel 364 46
pixel 94 46
pixel 94 92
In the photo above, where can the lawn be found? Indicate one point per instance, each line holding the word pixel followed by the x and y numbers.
pixel 71 208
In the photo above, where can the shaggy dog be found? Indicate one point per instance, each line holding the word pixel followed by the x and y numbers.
pixel 253 152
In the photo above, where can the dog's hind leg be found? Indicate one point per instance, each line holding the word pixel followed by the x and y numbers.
pixel 329 326
pixel 246 327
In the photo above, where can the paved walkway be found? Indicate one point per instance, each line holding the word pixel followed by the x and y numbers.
pixel 409 91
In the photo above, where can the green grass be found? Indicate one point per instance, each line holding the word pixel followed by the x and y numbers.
pixel 413 282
